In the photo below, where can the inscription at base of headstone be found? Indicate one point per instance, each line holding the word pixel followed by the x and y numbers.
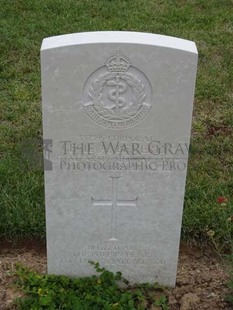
pixel 117 108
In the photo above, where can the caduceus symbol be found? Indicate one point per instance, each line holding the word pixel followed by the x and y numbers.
pixel 114 94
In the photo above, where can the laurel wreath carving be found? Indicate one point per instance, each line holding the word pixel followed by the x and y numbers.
pixel 131 109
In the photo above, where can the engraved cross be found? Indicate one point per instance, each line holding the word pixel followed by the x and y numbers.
pixel 114 203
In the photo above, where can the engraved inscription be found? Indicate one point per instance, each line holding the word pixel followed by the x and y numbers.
pixel 117 95
pixel 114 203
pixel 113 254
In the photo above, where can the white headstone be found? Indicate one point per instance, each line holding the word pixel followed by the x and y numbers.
pixel 117 109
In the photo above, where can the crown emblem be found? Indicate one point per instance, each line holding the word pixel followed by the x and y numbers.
pixel 118 63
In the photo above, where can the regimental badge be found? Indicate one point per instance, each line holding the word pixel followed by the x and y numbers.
pixel 117 95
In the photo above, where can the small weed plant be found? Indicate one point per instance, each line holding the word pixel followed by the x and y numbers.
pixel 104 292
pixel 223 211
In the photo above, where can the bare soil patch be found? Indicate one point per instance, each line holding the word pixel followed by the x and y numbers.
pixel 200 280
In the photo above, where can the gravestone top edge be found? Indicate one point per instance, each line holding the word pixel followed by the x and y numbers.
pixel 129 37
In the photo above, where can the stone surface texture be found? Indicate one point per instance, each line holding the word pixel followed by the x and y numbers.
pixel 117 110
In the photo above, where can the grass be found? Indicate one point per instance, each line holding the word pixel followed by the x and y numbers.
pixel 23 25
